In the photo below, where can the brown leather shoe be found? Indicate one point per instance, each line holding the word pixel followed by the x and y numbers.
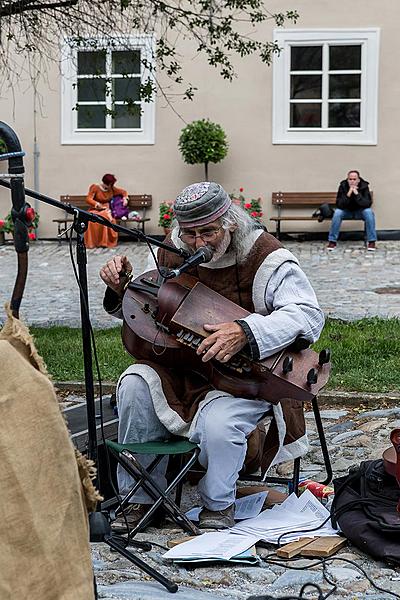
pixel 133 513
pixel 217 519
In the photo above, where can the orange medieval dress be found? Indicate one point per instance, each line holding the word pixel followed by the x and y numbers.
pixel 98 236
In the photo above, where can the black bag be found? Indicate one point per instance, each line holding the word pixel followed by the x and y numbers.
pixel 365 506
pixel 325 211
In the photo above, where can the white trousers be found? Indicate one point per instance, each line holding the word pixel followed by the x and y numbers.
pixel 221 430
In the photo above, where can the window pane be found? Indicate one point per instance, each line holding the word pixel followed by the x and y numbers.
pixel 344 57
pixel 91 115
pixel 306 58
pixel 305 86
pixel 305 115
pixel 345 86
pixel 346 114
pixel 91 89
pixel 126 62
pixel 126 116
pixel 92 63
pixel 126 88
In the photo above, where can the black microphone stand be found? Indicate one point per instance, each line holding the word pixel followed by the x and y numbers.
pixel 100 529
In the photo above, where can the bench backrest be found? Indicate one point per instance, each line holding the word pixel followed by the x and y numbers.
pixel 304 198
pixel 136 201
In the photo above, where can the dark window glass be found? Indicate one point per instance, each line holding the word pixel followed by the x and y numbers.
pixel 91 116
pixel 126 117
pixel 305 115
pixel 345 86
pixel 126 62
pixel 344 114
pixel 305 86
pixel 91 89
pixel 344 57
pixel 306 58
pixel 126 88
pixel 92 63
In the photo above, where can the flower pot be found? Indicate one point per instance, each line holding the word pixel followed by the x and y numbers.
pixel 167 230
pixel 2 238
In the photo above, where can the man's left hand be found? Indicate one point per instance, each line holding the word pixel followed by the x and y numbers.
pixel 225 341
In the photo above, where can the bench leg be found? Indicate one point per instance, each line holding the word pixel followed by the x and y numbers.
pixel 278 230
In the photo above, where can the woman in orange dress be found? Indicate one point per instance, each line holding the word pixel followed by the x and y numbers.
pixel 99 197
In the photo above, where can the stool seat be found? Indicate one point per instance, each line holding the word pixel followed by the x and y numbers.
pixel 125 455
pixel 165 447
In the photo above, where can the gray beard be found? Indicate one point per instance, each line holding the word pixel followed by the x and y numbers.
pixel 222 247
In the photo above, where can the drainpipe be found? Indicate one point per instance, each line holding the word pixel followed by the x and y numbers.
pixel 36 153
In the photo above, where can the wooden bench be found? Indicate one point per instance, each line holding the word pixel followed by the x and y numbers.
pixel 140 203
pixel 299 200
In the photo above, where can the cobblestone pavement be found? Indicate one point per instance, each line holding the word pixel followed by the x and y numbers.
pixel 353 435
pixel 346 281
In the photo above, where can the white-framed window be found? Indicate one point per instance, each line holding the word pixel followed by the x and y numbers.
pixel 100 97
pixel 325 86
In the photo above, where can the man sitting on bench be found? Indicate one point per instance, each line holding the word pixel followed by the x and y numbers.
pixel 353 201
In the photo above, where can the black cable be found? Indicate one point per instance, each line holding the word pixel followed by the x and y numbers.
pixel 93 342
pixel 314 585
pixel 302 530
pixel 332 583
pixel 324 562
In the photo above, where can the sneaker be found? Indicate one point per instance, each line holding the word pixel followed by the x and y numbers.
pixel 218 519
pixel 331 246
pixel 133 513
pixel 371 247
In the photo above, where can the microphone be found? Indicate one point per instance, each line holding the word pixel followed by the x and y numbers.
pixel 202 255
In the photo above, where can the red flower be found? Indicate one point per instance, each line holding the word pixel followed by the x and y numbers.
pixel 30 214
pixel 166 216
pixel 2 223
pixel 32 236
pixel 254 213
pixel 241 190
pixel 247 205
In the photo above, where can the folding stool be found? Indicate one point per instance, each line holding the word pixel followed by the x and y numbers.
pixel 179 447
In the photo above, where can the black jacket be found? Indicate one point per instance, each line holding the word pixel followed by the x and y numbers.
pixel 354 202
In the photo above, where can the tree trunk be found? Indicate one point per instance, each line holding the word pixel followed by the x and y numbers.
pixel 206 170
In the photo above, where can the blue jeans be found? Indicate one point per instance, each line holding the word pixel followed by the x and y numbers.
pixel 366 214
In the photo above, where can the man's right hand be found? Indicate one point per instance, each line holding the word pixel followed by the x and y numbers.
pixel 111 273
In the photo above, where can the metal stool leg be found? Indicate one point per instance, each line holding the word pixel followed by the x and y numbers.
pixel 322 439
pixel 133 467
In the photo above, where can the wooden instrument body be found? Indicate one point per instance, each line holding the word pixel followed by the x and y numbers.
pixel 167 328
pixel 391 458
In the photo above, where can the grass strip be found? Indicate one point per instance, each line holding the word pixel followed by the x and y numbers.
pixel 365 353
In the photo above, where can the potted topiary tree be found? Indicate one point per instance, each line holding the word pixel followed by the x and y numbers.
pixel 203 142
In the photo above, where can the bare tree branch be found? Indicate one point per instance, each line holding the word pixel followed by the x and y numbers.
pixel 218 29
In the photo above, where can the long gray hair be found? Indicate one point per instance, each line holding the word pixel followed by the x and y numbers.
pixel 242 241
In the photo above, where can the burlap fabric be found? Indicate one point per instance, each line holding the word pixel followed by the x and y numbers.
pixel 44 547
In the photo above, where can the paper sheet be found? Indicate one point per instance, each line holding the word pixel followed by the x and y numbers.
pixel 291 518
pixel 218 544
pixel 245 508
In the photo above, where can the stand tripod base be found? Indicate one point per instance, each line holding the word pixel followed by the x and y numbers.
pixel 100 531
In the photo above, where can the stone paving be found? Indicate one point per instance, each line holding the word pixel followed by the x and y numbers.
pixel 353 435
pixel 346 281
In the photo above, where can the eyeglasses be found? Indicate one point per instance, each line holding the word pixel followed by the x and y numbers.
pixel 209 235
